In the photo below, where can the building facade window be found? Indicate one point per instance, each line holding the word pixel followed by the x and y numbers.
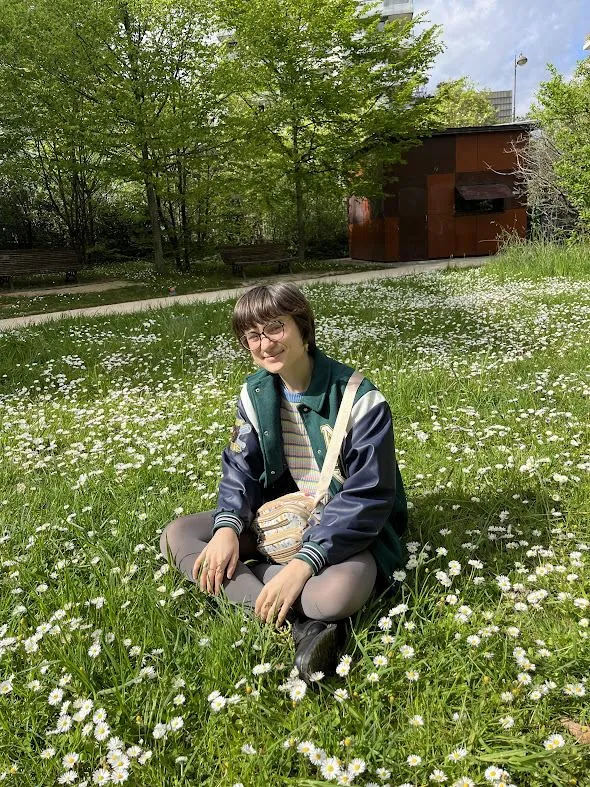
pixel 467 206
pixel 483 198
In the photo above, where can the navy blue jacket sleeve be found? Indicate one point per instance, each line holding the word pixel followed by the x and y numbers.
pixel 240 489
pixel 354 517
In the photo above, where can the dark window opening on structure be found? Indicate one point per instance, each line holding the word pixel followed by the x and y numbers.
pixel 463 205
pixel 484 198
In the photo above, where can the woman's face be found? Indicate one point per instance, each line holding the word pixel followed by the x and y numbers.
pixel 280 352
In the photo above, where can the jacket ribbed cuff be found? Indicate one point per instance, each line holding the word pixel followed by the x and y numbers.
pixel 314 555
pixel 227 519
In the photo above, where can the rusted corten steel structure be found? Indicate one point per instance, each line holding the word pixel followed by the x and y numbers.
pixel 452 198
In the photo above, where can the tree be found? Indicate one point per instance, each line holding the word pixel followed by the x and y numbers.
pixel 563 111
pixel 325 90
pixel 461 103
pixel 51 124
pixel 134 80
pixel 551 212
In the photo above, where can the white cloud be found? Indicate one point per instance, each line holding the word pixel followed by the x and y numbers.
pixel 482 38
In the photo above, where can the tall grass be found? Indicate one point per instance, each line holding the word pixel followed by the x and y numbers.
pixel 538 260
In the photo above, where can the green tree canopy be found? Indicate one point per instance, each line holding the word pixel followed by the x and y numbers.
pixel 213 108
pixel 127 87
pixel 462 103
pixel 563 110
pixel 323 89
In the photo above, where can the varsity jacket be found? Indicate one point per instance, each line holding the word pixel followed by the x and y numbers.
pixel 367 508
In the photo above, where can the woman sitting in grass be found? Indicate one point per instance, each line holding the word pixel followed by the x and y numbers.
pixel 286 414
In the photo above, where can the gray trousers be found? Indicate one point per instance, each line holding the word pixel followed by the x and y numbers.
pixel 337 592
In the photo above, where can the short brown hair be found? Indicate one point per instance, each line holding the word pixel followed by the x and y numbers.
pixel 264 303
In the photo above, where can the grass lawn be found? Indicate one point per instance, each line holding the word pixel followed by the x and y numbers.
pixel 209 274
pixel 113 668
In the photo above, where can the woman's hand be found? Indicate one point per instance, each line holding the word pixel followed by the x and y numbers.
pixel 219 557
pixel 279 594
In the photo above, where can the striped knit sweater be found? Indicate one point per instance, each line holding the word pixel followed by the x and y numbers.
pixel 298 451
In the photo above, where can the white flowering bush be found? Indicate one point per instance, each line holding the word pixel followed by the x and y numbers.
pixel 115 669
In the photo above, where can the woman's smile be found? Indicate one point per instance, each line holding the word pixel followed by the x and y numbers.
pixel 285 355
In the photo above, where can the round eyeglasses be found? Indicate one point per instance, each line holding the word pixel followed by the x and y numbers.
pixel 273 331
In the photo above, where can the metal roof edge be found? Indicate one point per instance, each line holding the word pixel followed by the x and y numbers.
pixel 522 125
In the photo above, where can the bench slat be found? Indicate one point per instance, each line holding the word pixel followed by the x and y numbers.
pixel 30 262
pixel 20 253
pixel 257 254
pixel 253 261
pixel 35 265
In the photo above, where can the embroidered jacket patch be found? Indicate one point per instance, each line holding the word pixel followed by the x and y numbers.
pixel 241 429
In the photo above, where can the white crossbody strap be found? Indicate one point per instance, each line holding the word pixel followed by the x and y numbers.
pixel 337 436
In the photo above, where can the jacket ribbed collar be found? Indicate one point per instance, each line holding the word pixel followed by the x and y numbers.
pixel 316 393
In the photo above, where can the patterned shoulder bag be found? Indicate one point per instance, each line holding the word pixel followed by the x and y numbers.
pixel 280 524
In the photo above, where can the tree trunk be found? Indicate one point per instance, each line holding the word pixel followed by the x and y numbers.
pixel 91 222
pixel 154 214
pixel 300 216
pixel 148 173
pixel 79 212
pixel 299 207
pixel 171 230
pixel 28 233
pixel 203 211
pixel 184 227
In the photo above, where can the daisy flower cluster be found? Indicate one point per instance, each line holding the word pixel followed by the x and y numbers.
pixel 110 429
pixel 331 768
pixel 112 764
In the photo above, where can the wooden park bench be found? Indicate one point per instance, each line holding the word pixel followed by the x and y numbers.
pixel 30 262
pixel 262 254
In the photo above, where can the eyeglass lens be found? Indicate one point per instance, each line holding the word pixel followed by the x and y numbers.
pixel 272 330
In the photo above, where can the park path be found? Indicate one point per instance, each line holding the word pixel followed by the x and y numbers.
pixel 70 289
pixel 394 271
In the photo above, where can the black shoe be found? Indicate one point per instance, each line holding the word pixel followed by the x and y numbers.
pixel 317 647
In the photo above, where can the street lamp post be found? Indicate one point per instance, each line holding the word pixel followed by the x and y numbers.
pixel 521 60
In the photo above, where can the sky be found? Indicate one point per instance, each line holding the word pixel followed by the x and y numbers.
pixel 482 38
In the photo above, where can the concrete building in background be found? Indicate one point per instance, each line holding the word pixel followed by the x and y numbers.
pixel 501 100
pixel 393 9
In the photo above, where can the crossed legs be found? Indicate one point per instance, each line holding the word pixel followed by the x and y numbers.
pixel 335 593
